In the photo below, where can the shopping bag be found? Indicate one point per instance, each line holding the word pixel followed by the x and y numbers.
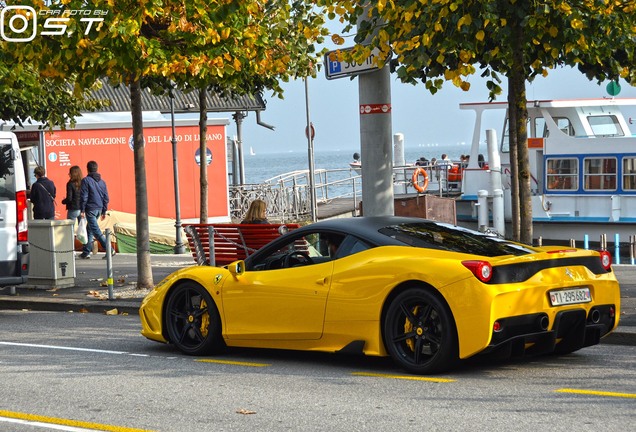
pixel 80 231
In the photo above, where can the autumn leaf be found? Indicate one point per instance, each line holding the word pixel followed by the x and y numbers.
pixel 245 411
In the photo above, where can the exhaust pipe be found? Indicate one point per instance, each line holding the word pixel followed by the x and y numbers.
pixel 595 316
pixel 544 322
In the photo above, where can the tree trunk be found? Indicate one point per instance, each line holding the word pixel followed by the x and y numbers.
pixel 144 268
pixel 514 167
pixel 203 171
pixel 518 82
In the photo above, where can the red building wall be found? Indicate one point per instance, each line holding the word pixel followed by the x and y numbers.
pixel 112 150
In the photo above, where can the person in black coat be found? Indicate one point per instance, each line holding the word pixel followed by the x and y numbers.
pixel 73 187
pixel 42 195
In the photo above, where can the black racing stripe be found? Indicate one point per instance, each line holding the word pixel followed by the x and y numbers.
pixel 523 271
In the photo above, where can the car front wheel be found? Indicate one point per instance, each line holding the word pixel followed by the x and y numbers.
pixel 192 320
pixel 419 332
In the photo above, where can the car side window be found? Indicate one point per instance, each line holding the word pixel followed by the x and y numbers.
pixel 297 251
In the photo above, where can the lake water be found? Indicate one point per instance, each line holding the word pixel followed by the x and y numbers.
pixel 261 167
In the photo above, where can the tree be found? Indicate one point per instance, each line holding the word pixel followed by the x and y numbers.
pixel 444 40
pixel 237 46
pixel 252 52
pixel 26 97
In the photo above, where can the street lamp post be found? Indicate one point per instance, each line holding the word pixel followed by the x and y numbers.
pixel 179 247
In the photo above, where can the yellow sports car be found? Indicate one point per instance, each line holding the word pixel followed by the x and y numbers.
pixel 425 293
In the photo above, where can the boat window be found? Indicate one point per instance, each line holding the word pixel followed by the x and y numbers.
pixel 562 174
pixel 563 124
pixel 505 139
pixel 629 173
pixel 599 173
pixel 605 125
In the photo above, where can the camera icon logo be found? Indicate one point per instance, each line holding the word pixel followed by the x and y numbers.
pixel 18 23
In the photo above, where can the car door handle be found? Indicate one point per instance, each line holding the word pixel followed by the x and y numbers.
pixel 322 281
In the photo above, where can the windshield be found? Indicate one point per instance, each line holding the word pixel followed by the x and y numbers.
pixel 451 238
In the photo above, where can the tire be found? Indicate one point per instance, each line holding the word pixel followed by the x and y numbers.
pixel 419 332
pixel 192 320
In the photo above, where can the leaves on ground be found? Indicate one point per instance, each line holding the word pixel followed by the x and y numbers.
pixel 112 312
pixel 245 411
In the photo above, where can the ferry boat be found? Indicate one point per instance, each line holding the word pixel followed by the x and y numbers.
pixel 582 156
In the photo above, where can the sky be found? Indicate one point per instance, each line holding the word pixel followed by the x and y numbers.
pixel 421 117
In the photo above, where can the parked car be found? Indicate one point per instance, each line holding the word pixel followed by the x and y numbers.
pixel 427 294
pixel 14 247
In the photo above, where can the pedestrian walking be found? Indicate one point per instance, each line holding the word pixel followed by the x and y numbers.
pixel 93 204
pixel 73 187
pixel 42 195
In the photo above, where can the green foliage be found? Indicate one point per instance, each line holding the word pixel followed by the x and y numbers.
pixel 451 38
pixel 29 97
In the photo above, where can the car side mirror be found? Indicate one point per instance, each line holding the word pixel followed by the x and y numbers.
pixel 237 268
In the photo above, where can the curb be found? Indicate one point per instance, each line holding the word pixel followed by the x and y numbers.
pixel 621 336
pixel 70 305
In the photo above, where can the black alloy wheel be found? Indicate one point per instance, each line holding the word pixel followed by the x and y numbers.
pixel 192 320
pixel 419 332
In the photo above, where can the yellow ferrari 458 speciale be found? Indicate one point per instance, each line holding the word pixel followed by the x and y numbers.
pixel 425 293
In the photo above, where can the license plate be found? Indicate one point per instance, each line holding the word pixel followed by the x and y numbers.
pixel 570 296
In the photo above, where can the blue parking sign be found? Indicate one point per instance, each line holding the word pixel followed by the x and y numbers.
pixel 335 67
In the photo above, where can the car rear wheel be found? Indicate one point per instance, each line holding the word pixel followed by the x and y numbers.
pixel 419 332
pixel 192 320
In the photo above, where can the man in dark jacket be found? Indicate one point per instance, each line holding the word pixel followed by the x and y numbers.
pixel 94 204
pixel 42 195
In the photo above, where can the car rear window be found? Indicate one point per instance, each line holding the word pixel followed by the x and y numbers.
pixel 451 238
pixel 7 183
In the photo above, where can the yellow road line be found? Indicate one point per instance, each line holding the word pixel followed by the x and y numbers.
pixel 235 363
pixel 68 422
pixel 597 393
pixel 404 377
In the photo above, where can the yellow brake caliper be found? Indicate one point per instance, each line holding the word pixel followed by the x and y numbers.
pixel 205 319
pixel 408 327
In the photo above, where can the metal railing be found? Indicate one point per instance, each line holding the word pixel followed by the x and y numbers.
pixel 288 195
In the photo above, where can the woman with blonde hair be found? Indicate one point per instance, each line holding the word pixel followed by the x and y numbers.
pixel 72 199
pixel 256 214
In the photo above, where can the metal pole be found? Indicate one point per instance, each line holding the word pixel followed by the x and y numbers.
pixel 238 118
pixel 179 247
pixel 109 266
pixel 310 151
pixel 376 138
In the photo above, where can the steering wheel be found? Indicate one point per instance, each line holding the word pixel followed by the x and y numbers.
pixel 296 257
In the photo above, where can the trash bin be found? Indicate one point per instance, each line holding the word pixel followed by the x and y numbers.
pixel 52 257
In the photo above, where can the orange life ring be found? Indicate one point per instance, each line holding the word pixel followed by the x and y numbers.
pixel 416 179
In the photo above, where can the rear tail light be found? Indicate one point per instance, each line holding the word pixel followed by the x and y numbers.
pixel 22 227
pixel 606 259
pixel 481 269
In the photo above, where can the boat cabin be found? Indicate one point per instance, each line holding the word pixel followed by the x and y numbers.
pixel 582 156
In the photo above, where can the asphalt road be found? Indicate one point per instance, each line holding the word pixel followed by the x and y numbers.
pixel 98 371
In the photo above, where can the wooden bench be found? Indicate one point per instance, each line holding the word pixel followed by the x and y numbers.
pixel 230 242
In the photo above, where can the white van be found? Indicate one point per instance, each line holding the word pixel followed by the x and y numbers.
pixel 14 246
